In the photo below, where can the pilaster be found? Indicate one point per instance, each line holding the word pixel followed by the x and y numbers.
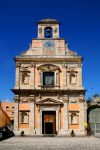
pixel 65 115
pixel 64 75
pixel 82 116
pixel 57 120
pixel 32 80
pixel 16 116
pixel 17 74
pixel 79 76
pixel 31 117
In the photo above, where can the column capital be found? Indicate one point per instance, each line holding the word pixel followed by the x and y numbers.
pixel 31 99
pixel 38 107
pixel 65 100
pixel 33 65
pixel 18 65
pixel 59 108
pixel 16 99
pixel 81 100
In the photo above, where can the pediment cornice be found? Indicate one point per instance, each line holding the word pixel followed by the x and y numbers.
pixel 48 101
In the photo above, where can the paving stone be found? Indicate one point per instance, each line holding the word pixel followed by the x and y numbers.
pixel 50 143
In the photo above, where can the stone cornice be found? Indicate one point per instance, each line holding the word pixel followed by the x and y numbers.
pixel 47 59
pixel 48 101
pixel 38 91
pixel 48 39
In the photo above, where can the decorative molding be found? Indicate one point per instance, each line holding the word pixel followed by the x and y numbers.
pixel 65 100
pixel 31 99
pixel 18 65
pixel 16 99
pixel 32 65
pixel 48 101
pixel 59 108
pixel 38 107
pixel 72 69
pixel 46 59
pixel 81 100
pixel 48 67
pixel 79 65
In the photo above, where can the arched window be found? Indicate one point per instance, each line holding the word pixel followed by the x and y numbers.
pixel 48 32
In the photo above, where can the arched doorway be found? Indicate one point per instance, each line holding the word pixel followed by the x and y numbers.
pixel 93 118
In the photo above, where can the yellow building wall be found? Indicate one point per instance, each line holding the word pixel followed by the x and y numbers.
pixel 24 106
pixel 73 107
pixel 74 126
pixel 23 125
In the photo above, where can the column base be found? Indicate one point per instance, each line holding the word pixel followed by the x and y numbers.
pixel 66 132
pixel 26 132
pixel 37 132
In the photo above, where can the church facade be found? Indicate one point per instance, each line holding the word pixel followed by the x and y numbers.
pixel 48 93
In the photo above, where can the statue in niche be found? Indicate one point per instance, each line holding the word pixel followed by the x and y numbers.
pixel 25 78
pixel 72 78
pixel 24 117
pixel 74 118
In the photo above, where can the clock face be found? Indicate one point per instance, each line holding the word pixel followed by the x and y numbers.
pixel 49 44
pixel 49 47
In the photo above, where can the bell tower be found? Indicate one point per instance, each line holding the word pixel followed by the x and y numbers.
pixel 48 28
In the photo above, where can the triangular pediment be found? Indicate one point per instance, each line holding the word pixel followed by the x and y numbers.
pixel 48 101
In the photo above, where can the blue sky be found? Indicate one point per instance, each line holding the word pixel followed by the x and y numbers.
pixel 80 26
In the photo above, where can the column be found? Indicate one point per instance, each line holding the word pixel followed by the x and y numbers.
pixel 31 118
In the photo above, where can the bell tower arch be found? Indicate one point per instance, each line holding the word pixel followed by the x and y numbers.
pixel 48 28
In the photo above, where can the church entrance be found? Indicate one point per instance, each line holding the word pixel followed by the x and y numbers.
pixel 49 122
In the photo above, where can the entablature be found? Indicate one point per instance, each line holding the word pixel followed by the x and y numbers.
pixel 64 59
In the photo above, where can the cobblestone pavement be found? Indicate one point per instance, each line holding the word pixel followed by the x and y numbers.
pixel 51 143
